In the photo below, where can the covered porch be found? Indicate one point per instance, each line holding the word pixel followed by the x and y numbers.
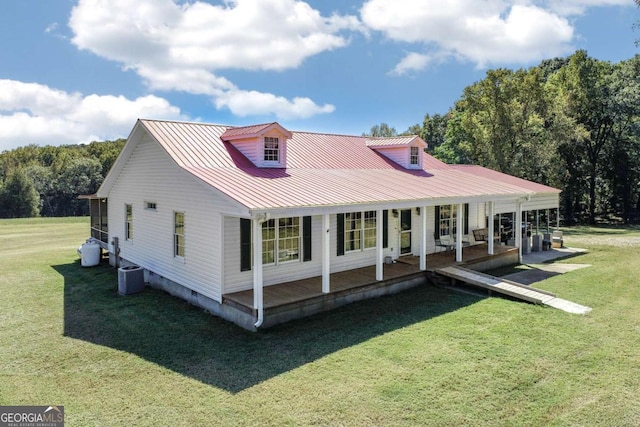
pixel 287 301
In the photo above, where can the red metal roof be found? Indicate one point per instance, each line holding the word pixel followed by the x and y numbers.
pixel 322 170
pixel 476 170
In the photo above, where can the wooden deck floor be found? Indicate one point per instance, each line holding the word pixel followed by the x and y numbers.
pixel 305 289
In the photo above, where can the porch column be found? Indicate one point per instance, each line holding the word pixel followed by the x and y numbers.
pixel 423 238
pixel 326 254
pixel 518 229
pixel 491 214
pixel 379 246
pixel 258 301
pixel 459 225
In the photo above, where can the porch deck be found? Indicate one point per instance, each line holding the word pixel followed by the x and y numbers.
pixel 284 296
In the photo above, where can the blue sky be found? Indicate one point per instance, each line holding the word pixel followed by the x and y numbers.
pixel 73 71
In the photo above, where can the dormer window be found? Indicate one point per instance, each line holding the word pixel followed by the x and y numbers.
pixel 271 149
pixel 264 145
pixel 404 150
pixel 414 157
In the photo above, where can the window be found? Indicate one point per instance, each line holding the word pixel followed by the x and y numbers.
pixel 269 242
pixel 150 205
pixel 281 243
pixel 358 233
pixel 352 231
pixel 283 240
pixel 178 234
pixel 446 220
pixel 414 157
pixel 370 232
pixel 288 239
pixel 128 221
pixel 271 149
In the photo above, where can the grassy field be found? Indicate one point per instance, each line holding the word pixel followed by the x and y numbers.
pixel 424 357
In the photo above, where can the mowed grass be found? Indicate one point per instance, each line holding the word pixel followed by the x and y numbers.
pixel 427 356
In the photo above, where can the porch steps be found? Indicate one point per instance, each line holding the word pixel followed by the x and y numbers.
pixel 510 288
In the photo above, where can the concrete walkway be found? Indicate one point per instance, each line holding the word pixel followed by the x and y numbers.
pixel 540 266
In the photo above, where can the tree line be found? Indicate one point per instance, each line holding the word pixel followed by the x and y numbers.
pixel 46 181
pixel 572 123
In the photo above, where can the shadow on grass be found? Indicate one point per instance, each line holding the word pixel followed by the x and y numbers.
pixel 169 332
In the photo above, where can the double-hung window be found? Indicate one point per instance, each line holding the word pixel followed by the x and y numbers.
pixel 281 240
pixel 271 149
pixel 359 230
pixel 128 221
pixel 414 156
pixel 178 234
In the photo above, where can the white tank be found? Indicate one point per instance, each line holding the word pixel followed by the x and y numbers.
pixel 90 254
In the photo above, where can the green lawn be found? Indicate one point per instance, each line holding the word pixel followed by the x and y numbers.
pixel 427 356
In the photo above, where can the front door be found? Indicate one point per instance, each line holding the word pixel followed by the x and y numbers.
pixel 405 231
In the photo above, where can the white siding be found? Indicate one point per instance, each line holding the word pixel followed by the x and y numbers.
pixel 400 155
pixel 150 176
pixel 250 148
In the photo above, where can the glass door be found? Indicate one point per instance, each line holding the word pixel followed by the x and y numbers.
pixel 405 231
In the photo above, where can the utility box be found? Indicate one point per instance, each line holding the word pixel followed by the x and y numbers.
pixel 130 280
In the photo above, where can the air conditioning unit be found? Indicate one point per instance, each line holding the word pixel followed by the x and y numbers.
pixel 130 280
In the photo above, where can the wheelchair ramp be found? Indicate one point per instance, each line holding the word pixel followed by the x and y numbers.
pixel 510 288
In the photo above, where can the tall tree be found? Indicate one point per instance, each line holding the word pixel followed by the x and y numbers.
pixel 18 198
pixel 434 129
pixel 381 130
pixel 500 123
pixel 583 88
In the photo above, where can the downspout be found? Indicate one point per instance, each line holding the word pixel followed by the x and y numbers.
pixel 260 304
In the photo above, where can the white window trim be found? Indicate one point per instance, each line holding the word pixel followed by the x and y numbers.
pixel 417 163
pixel 276 249
pixel 362 233
pixel 278 150
pixel 128 237
pixel 175 254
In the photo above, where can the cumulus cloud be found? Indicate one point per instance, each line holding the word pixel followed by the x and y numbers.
pixel 188 46
pixel 411 62
pixel 32 113
pixel 489 32
pixel 244 103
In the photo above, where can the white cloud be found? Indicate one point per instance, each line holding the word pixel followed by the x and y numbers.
pixel 487 32
pixel 186 46
pixel 244 103
pixel 412 62
pixel 32 113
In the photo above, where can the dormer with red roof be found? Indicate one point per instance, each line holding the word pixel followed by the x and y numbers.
pixel 407 151
pixel 265 145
